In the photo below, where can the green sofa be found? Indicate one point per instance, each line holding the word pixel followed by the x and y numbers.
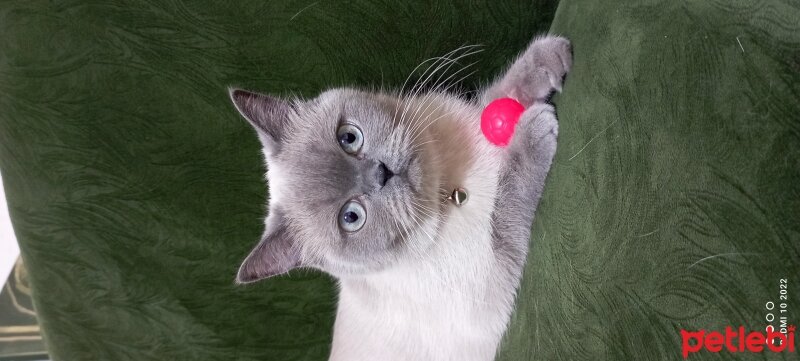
pixel 135 189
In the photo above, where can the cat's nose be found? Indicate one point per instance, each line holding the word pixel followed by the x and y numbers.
pixel 383 174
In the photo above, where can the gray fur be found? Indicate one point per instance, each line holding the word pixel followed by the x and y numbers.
pixel 522 181
pixel 320 174
pixel 389 272
pixel 538 72
pixel 276 253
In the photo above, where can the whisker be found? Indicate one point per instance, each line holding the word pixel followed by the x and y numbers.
pixel 416 86
pixel 417 146
pixel 435 91
pixel 445 61
pixel 400 93
pixel 417 133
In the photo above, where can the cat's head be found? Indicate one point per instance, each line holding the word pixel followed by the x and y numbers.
pixel 353 184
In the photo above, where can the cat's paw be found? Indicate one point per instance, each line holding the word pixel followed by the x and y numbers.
pixel 539 130
pixel 544 67
pixel 553 55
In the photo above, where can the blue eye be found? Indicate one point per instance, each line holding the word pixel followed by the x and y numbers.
pixel 350 138
pixel 352 216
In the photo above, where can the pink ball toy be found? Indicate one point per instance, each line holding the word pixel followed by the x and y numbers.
pixel 499 119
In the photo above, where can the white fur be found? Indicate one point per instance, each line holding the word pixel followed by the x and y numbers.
pixel 449 303
pixel 444 291
pixel 276 179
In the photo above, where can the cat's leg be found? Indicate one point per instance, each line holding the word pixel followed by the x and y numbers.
pixel 521 181
pixel 531 79
pixel 535 74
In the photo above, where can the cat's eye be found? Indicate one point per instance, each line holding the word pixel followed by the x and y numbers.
pixel 350 138
pixel 352 216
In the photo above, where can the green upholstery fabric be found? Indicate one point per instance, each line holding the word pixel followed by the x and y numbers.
pixel 674 198
pixel 135 188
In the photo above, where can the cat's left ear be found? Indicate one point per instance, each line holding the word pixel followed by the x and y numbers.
pixel 267 114
pixel 275 254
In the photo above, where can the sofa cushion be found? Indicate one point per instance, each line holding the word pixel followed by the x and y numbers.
pixel 674 197
pixel 136 189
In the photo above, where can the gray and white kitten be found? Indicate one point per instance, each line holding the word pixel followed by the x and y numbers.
pixel 357 186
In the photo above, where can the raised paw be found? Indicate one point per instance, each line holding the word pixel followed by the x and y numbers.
pixel 552 59
pixel 536 74
pixel 541 69
pixel 538 130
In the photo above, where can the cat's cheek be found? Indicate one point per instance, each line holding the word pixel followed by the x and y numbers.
pixel 429 174
pixel 416 174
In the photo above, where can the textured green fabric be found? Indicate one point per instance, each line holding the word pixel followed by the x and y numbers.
pixel 135 188
pixel 674 198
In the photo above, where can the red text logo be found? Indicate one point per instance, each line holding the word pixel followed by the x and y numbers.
pixel 737 341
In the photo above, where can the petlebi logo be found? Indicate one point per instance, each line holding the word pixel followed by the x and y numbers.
pixel 737 341
pixel 778 334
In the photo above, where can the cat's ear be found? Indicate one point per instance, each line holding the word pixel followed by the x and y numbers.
pixel 275 254
pixel 268 115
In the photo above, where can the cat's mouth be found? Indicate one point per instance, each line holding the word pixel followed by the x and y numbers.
pixel 408 176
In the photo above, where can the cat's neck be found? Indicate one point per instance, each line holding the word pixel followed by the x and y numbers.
pixel 454 128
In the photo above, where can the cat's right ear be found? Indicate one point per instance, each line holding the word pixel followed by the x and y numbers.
pixel 268 115
pixel 276 253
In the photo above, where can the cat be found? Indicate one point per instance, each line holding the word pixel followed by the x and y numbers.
pixel 358 183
